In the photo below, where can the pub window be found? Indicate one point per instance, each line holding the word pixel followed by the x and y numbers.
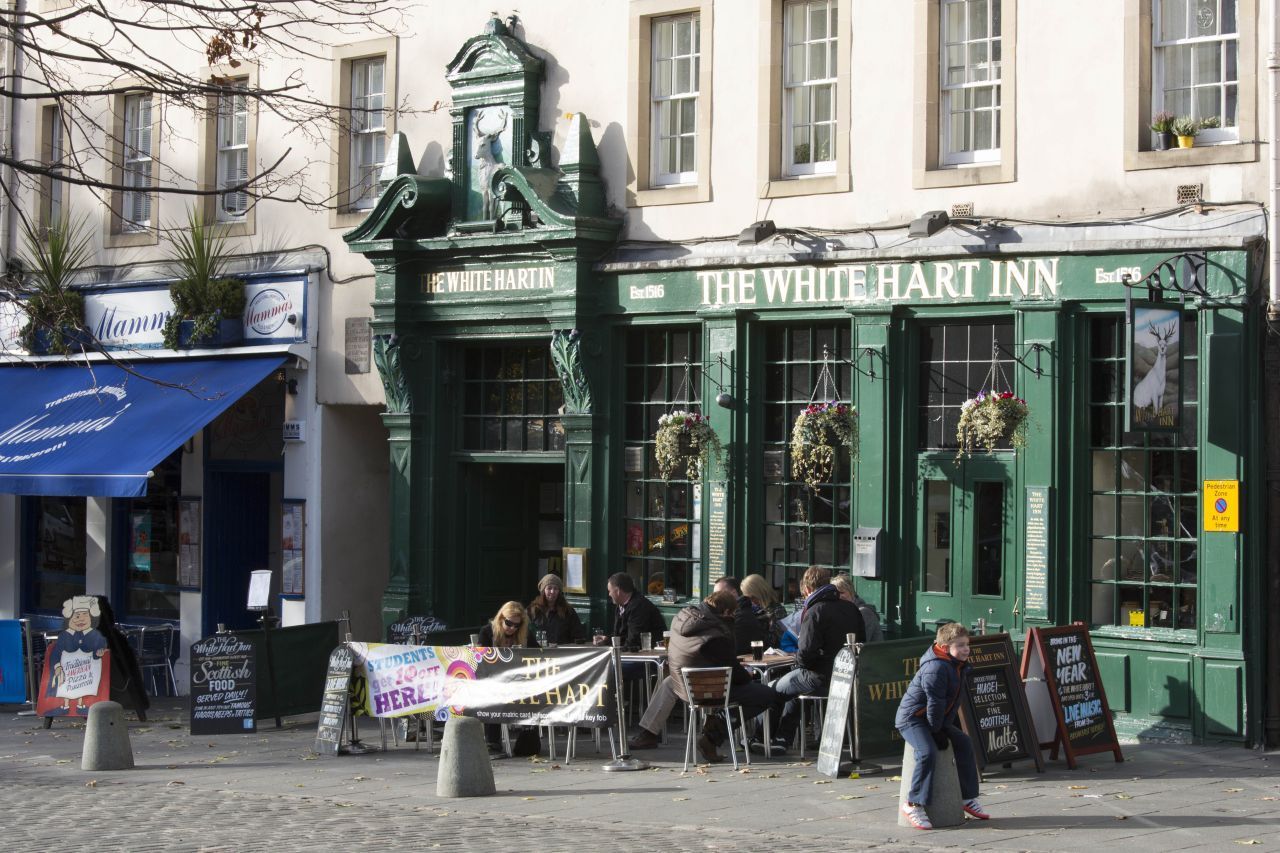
pixel 1145 505
pixel 802 526
pixel 511 400
pixel 661 534
pixel 57 529
pixel 955 362
pixel 151 549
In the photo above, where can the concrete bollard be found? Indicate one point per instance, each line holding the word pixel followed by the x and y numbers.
pixel 464 769
pixel 106 739
pixel 945 806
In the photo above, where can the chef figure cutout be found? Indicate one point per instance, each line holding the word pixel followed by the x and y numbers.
pixel 77 666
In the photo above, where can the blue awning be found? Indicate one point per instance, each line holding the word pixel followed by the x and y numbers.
pixel 72 429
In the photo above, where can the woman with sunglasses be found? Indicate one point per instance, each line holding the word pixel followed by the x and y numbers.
pixel 510 627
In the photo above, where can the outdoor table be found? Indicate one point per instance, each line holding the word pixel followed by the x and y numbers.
pixel 769 667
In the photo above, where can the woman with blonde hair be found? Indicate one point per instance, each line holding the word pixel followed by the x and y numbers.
pixel 770 612
pixel 510 627
pixel 844 586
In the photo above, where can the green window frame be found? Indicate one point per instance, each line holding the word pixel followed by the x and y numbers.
pixel 511 399
pixel 955 361
pixel 660 525
pixel 802 527
pixel 1144 506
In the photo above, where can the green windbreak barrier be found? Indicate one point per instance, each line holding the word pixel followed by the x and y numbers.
pixel 300 658
pixel 884 671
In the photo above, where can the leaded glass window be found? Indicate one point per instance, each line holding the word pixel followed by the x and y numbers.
pixel 511 399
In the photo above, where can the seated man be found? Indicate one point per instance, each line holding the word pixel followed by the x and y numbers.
pixel 824 622
pixel 636 615
pixel 703 636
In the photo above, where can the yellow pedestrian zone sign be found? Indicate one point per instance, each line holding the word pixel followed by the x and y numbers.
pixel 1222 506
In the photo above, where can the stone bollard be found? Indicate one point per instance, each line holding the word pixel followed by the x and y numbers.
pixel 464 769
pixel 946 806
pixel 106 739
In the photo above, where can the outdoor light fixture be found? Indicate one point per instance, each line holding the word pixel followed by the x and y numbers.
pixel 928 224
pixel 756 232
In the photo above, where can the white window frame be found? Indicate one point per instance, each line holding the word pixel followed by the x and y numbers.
pixel 809 87
pixel 232 152
pixel 55 152
pixel 136 163
pixel 989 72
pixel 368 126
pixel 1224 42
pixel 659 101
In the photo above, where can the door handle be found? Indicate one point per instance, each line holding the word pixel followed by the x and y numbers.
pixel 1016 602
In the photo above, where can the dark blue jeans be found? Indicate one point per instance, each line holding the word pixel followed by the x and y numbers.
pixel 920 736
pixel 792 685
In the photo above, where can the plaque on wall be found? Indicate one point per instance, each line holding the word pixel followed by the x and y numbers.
pixel 357 337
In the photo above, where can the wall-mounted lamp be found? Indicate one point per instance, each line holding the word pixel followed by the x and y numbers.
pixel 928 224
pixel 757 232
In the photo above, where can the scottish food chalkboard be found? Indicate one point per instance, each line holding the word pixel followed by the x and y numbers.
pixel 1064 658
pixel 836 723
pixel 335 704
pixel 996 710
pixel 223 690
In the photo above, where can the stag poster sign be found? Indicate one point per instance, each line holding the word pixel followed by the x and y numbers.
pixel 1155 368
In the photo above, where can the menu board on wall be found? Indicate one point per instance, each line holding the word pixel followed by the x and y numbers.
pixel 995 713
pixel 1037 539
pixel 1063 658
pixel 189 543
pixel 292 542
pixel 717 531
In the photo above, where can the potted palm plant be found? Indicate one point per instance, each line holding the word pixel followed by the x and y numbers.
pixel 208 305
pixel 55 312
pixel 1161 126
pixel 1185 128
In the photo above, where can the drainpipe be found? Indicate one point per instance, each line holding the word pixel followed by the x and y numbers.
pixel 8 218
pixel 1271 402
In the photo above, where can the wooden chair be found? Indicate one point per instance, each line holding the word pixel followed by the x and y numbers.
pixel 706 691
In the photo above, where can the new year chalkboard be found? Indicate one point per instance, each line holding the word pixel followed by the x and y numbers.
pixel 836 723
pixel 1063 657
pixel 335 705
pixel 223 690
pixel 995 711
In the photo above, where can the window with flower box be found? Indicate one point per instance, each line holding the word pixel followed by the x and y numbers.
pixel 661 533
pixel 802 526
pixel 1144 510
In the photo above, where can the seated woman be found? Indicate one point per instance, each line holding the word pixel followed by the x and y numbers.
pixel 770 612
pixel 551 613
pixel 510 627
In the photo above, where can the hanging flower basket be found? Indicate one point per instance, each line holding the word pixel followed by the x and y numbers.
pixel 685 441
pixel 990 419
pixel 818 434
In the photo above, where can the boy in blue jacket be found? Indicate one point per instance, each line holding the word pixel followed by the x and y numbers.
pixel 928 720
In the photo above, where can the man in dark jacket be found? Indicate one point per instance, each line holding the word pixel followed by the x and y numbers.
pixel 703 636
pixel 749 621
pixel 635 614
pixel 824 623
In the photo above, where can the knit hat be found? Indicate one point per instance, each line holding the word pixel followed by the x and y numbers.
pixel 551 579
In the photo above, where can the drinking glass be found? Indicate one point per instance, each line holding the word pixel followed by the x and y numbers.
pixel 542 639
pixel 475 639
pixel 646 641
pixel 597 635
pixel 757 649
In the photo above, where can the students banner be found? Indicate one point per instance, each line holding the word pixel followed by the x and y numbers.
pixel 562 686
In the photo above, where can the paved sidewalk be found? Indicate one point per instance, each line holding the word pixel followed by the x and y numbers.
pixel 266 791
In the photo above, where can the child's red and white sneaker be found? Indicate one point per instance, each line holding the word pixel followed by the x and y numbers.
pixel 974 809
pixel 917 816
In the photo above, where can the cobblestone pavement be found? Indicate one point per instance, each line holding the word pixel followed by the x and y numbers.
pixel 267 791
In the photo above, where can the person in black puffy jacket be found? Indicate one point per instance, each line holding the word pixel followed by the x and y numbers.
pixel 928 718
pixel 825 623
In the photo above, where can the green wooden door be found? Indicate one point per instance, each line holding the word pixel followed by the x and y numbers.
pixel 964 523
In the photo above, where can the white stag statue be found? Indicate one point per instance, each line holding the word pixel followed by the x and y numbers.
pixel 1150 391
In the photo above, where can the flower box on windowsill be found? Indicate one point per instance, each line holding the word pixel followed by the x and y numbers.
pixel 230 333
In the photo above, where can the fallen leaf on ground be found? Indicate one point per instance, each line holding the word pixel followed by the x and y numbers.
pixel 1247 841
pixel 1077 787
pixel 63 761
pixel 92 783
pixel 678 799
pixel 173 782
pixel 1233 790
pixel 1123 797
pixel 360 779
pixel 1122 817
pixel 822 781
pixel 895 778
pixel 849 797
pixel 526 798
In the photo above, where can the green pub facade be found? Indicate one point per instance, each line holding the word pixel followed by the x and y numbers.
pixel 527 356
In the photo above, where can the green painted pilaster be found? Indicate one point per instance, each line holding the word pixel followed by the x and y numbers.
pixel 878 464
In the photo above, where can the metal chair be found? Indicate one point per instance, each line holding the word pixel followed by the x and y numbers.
pixel 706 690
pixel 819 707
pixel 155 652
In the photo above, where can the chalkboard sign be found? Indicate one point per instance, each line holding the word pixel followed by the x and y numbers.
pixel 335 705
pixel 223 687
pixel 412 629
pixel 836 723
pixel 1063 657
pixel 995 711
